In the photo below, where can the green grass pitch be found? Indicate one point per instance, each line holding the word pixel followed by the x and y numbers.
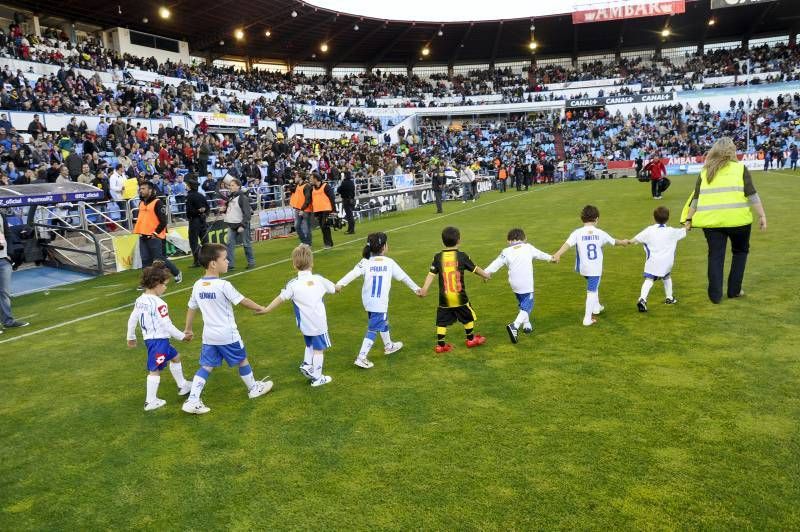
pixel 685 417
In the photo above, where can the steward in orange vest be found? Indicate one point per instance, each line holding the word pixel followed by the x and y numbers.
pixel 151 226
pixel 301 197
pixel 322 202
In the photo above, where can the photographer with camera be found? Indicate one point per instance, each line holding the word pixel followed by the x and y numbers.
pixel 6 318
pixel 237 217
pixel 323 203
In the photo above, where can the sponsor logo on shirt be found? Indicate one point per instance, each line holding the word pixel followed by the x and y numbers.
pixel 163 311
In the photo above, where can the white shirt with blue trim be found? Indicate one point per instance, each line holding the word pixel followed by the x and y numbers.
pixel 378 273
pixel 518 257
pixel 306 292
pixel 215 298
pixel 659 243
pixel 588 242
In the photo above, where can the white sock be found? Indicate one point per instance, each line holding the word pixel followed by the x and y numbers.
pixel 197 388
pixel 317 360
pixel 597 305
pixel 249 380
pixel 646 286
pixel 152 387
pixel 521 319
pixel 527 325
pixel 668 287
pixel 590 302
pixel 308 355
pixel 366 345
pixel 387 338
pixel 176 368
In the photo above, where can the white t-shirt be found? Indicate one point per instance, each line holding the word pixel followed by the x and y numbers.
pixel 378 273
pixel 519 259
pixel 659 243
pixel 588 242
pixel 116 184
pixel 215 298
pixel 152 315
pixel 306 292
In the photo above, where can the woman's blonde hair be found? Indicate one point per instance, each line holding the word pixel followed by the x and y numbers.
pixel 721 153
pixel 302 258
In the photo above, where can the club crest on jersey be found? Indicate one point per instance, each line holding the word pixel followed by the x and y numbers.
pixel 309 283
pixel 163 311
pixel 206 283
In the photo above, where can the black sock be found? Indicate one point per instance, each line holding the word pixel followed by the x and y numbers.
pixel 470 335
pixel 440 340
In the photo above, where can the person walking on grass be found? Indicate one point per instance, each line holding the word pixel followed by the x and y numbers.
pixel 721 205
pixel 237 216
pixel 151 314
pixel 215 298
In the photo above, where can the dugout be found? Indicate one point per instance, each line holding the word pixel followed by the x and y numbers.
pixel 38 218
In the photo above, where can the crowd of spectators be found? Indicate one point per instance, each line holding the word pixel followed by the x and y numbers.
pixel 69 91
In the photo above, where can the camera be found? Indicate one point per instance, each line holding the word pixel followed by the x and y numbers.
pixel 336 222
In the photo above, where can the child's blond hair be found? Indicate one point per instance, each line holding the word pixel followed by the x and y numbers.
pixel 302 258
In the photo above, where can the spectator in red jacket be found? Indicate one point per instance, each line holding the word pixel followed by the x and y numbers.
pixel 657 172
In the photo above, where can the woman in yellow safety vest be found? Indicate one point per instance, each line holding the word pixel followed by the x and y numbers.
pixel 720 205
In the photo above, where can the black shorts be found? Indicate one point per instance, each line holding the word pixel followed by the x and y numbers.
pixel 446 316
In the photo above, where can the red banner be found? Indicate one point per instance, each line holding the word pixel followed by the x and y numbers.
pixel 651 8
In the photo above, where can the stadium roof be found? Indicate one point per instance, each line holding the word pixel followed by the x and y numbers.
pixel 207 23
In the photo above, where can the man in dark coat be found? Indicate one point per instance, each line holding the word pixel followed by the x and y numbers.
pixel 347 191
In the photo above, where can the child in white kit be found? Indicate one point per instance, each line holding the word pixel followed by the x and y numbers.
pixel 519 256
pixel 378 271
pixel 659 243
pixel 151 314
pixel 214 298
pixel 588 242
pixel 306 292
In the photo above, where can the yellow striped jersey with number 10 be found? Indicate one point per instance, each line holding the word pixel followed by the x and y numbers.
pixel 449 265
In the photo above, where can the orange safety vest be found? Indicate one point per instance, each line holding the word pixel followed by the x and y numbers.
pixel 502 174
pixel 320 200
pixel 148 220
pixel 298 197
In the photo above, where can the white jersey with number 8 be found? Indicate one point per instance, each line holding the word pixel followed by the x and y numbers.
pixel 588 242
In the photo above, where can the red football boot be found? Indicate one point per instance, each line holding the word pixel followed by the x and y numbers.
pixel 476 341
pixel 446 348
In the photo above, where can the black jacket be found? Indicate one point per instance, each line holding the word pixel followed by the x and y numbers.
pixel 194 202
pixel 347 190
pixel 438 181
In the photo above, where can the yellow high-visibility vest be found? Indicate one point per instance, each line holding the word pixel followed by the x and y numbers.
pixel 722 202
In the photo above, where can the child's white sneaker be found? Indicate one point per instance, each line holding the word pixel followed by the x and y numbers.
pixel 363 363
pixel 394 347
pixel 195 407
pixel 324 379
pixel 259 388
pixel 152 405
pixel 307 371
pixel 589 322
pixel 186 388
pixel 599 309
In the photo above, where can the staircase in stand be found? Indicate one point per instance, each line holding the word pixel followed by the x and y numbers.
pixel 561 153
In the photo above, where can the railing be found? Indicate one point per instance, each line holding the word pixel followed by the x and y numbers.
pixel 62 239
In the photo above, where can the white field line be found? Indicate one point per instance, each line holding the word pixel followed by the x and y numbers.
pixel 257 268
pixel 76 304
